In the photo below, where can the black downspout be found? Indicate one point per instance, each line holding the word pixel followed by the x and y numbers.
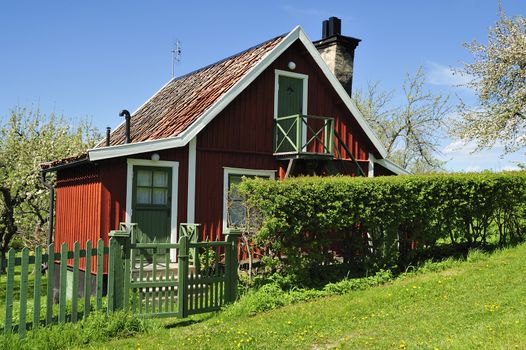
pixel 51 218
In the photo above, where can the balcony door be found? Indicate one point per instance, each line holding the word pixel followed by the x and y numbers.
pixel 291 99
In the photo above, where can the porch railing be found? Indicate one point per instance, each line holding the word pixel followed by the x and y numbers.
pixel 297 136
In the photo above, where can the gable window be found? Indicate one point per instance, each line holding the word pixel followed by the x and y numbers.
pixel 233 211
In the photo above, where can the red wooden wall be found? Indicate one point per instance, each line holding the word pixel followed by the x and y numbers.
pixel 78 202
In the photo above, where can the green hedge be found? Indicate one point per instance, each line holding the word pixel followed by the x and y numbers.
pixel 379 222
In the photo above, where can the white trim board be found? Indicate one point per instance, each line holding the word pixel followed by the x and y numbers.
pixel 192 159
pixel 175 191
pixel 187 135
pixel 240 171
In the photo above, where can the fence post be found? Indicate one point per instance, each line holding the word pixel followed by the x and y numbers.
pixel 231 264
pixel 118 269
pixel 192 232
pixel 182 286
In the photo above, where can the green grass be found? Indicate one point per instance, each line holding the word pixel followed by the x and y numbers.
pixel 16 293
pixel 477 304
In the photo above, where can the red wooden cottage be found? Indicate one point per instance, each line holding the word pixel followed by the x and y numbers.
pixel 278 109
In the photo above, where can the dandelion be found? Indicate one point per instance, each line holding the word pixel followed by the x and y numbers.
pixel 403 345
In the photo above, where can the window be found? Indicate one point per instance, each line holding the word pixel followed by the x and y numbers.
pixel 152 187
pixel 233 211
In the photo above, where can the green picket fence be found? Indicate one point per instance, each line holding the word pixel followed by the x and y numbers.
pixel 42 308
pixel 203 278
pixel 141 278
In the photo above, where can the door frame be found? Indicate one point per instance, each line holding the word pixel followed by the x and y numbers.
pixel 175 191
pixel 305 79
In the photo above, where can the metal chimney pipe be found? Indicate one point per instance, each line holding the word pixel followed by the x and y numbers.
pixel 124 113
pixel 108 132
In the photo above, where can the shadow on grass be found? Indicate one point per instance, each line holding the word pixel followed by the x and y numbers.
pixel 459 251
pixel 317 277
pixel 189 321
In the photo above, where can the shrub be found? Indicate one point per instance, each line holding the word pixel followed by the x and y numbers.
pixel 380 223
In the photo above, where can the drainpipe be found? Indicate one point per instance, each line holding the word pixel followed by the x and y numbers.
pixel 51 220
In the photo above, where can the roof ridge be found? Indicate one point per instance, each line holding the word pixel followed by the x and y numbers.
pixel 226 58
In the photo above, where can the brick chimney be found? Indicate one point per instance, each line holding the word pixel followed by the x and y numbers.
pixel 338 51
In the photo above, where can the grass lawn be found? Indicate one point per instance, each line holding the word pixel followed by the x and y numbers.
pixel 479 304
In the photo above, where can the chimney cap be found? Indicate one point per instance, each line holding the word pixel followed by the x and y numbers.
pixel 331 27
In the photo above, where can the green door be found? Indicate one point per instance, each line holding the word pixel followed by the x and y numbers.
pixel 152 203
pixel 290 102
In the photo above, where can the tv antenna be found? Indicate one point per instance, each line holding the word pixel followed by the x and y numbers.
pixel 176 55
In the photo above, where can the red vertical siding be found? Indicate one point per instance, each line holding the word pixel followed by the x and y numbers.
pixel 78 203
pixel 113 195
pixel 78 196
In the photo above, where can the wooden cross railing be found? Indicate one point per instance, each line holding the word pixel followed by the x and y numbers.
pixel 303 136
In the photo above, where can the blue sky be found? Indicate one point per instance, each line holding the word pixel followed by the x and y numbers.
pixel 94 58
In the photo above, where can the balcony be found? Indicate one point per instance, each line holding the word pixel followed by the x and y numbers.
pixel 304 136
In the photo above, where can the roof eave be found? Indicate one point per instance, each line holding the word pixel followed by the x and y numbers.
pixel 391 166
pixel 135 148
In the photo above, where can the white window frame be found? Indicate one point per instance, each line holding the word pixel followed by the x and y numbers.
pixel 305 78
pixel 175 191
pixel 240 171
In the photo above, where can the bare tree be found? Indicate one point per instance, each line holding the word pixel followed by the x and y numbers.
pixel 411 130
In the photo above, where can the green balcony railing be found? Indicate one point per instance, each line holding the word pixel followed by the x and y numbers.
pixel 297 136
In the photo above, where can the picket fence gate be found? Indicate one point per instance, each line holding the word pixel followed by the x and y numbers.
pixel 140 278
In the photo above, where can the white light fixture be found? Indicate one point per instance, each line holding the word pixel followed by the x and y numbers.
pixel 291 65
pixel 156 157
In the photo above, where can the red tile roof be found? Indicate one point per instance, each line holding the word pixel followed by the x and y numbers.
pixel 183 100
